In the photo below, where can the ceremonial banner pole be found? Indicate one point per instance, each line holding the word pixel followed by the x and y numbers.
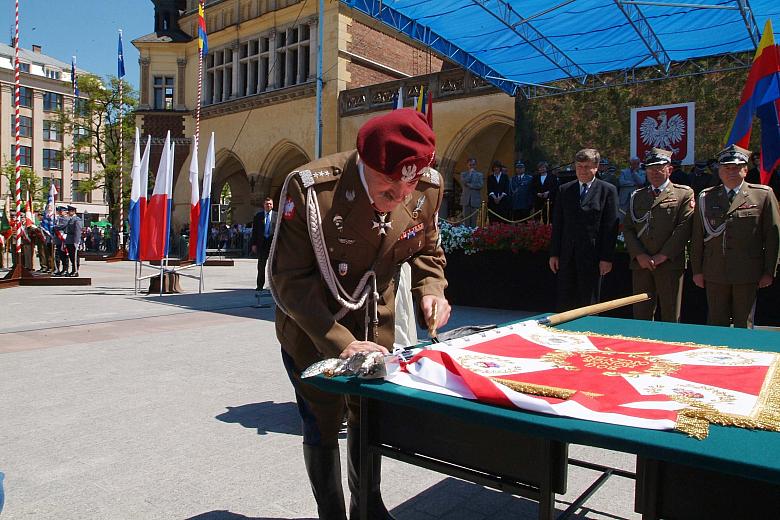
pixel 18 185
pixel 119 254
pixel 202 50
pixel 563 317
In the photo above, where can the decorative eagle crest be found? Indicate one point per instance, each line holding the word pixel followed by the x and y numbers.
pixel 664 133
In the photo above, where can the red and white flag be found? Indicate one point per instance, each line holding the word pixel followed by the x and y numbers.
pixel 626 381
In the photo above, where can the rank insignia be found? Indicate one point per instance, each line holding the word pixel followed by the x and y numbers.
pixel 380 224
pixel 343 269
pixel 346 241
pixel 289 208
pixel 338 221
pixel 411 232
pixel 418 206
pixel 350 195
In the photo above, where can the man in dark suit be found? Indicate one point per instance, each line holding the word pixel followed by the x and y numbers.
pixel 545 188
pixel 262 235
pixel 584 231
pixel 498 192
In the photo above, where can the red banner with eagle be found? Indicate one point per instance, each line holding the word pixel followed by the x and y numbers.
pixel 671 127
pixel 626 381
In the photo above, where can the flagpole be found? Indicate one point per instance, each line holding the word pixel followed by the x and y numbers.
pixel 121 158
pixel 17 128
pixel 200 81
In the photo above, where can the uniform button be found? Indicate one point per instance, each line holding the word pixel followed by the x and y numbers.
pixel 330 249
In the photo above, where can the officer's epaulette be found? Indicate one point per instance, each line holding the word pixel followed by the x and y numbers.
pixel 682 186
pixel 431 176
pixel 758 186
pixel 311 177
pixel 712 188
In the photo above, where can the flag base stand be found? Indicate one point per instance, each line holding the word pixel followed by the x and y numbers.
pixel 19 276
pixel 119 255
pixel 184 263
pixel 166 280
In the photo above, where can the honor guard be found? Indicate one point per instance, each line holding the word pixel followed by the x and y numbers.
pixel 734 249
pixel 657 227
pixel 347 223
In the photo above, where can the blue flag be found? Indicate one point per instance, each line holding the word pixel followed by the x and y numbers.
pixel 120 59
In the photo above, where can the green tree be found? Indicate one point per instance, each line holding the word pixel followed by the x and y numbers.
pixel 30 182
pixel 96 131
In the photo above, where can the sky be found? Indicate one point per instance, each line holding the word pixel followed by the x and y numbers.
pixel 86 29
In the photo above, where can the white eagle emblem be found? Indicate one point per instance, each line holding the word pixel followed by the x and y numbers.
pixel 665 133
pixel 408 173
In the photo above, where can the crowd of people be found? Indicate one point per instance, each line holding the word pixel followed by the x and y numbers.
pixel 531 192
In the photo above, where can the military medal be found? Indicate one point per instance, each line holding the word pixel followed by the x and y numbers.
pixel 338 221
pixel 350 195
pixel 418 206
pixel 343 269
pixel 380 224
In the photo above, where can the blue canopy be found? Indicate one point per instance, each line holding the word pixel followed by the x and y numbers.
pixel 517 44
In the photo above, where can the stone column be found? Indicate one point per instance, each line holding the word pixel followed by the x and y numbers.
pixel 272 68
pixel 181 70
pixel 313 39
pixel 234 86
pixel 144 101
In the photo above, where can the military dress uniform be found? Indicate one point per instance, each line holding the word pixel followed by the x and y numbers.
pixel 324 291
pixel 734 244
pixel 659 223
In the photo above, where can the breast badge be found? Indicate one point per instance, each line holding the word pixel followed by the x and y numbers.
pixel 343 269
pixel 289 209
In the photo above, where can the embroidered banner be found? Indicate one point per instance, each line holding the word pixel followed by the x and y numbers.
pixel 626 381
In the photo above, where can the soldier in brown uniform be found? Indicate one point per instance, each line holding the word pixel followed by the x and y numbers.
pixel 367 212
pixel 734 249
pixel 656 228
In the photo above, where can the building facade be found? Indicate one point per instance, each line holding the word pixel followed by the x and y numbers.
pixel 46 143
pixel 259 85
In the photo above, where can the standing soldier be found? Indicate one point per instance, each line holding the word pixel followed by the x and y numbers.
pixel 734 250
pixel 60 251
pixel 347 222
pixel 657 227
pixel 73 240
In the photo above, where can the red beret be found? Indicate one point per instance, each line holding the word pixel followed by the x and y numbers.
pixel 399 144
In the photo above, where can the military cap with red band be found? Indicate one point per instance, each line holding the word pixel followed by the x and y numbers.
pixel 400 144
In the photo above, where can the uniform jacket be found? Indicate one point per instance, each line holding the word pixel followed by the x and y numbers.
pixel 585 232
pixel 258 229
pixel 748 247
pixel 668 227
pixel 522 192
pixel 471 183
pixel 73 230
pixel 353 247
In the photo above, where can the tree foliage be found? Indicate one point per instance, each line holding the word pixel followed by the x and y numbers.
pixel 30 182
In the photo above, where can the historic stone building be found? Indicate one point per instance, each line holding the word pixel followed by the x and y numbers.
pixel 258 88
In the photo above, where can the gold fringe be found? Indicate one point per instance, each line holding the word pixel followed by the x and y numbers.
pixel 532 389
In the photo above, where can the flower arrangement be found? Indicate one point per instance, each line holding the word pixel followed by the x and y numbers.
pixel 531 235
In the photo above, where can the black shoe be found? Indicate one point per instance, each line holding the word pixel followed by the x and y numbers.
pixel 376 507
pixel 73 274
pixel 58 273
pixel 324 469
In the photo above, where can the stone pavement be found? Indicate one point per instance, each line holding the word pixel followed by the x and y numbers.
pixel 123 406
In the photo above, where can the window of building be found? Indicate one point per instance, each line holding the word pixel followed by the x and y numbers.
pixel 80 163
pixel 25 126
pixel 52 159
pixel 163 92
pixel 25 153
pixel 219 76
pixel 80 135
pixel 52 131
pixel 293 51
pixel 24 67
pixel 25 97
pixel 77 195
pixel 46 183
pixel 53 74
pixel 82 107
pixel 52 102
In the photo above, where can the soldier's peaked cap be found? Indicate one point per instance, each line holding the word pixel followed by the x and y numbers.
pixel 734 154
pixel 658 156
pixel 71 208
pixel 400 144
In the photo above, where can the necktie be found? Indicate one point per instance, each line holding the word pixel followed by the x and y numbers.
pixel 656 192
pixel 267 225
pixel 732 194
pixel 583 192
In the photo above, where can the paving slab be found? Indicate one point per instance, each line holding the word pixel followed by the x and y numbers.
pixel 119 405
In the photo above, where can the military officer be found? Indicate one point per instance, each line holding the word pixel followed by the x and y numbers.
pixel 347 223
pixel 657 227
pixel 734 249
pixel 58 234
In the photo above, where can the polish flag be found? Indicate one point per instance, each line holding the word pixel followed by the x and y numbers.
pixel 169 191
pixel 205 203
pixel 155 223
pixel 194 201
pixel 134 209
